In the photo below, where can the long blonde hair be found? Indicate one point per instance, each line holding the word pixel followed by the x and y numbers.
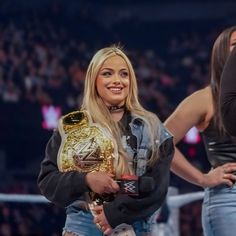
pixel 99 112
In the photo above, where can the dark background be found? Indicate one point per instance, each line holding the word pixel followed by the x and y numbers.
pixel 45 48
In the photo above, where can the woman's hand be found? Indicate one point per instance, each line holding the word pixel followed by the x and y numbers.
pixel 221 175
pixel 101 221
pixel 101 182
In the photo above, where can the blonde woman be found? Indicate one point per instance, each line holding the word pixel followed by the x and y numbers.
pixel 110 137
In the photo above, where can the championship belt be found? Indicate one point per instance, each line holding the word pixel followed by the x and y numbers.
pixel 87 147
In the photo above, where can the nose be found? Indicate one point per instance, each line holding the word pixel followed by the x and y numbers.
pixel 116 79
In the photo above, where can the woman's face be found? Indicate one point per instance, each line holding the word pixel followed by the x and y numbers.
pixel 232 40
pixel 113 81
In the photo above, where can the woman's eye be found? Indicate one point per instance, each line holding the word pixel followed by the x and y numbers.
pixel 106 74
pixel 124 74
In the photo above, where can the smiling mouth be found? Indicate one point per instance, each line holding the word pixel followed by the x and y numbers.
pixel 115 90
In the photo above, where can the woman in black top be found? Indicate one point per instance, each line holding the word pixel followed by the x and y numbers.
pixel 112 136
pixel 201 110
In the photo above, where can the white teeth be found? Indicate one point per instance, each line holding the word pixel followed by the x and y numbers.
pixel 115 89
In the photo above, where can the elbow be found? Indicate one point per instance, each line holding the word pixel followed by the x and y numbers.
pixel 47 191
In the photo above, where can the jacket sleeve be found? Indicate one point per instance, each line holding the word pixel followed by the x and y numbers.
pixel 127 209
pixel 58 187
pixel 228 94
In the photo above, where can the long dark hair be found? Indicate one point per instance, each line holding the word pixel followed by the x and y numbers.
pixel 220 53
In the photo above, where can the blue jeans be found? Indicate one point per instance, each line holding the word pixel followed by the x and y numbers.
pixel 219 211
pixel 80 222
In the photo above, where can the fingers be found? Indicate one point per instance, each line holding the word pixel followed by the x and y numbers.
pixel 227 182
pixel 104 229
pixel 115 186
pixel 229 179
pixel 98 208
pixel 229 167
pixel 112 187
pixel 228 175
pixel 107 231
pixel 99 226
pixel 100 182
pixel 111 175
pixel 101 222
pixel 225 174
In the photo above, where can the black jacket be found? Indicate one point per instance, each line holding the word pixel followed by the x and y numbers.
pixel 65 188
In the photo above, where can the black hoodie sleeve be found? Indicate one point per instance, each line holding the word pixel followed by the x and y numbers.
pixel 127 209
pixel 58 187
pixel 228 94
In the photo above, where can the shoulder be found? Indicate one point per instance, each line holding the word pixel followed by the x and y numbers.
pixel 205 93
pixel 197 104
pixel 195 110
pixel 199 96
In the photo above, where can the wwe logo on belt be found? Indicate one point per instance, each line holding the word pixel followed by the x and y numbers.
pixel 87 154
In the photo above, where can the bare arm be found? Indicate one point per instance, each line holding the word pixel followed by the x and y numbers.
pixel 184 169
pixel 195 110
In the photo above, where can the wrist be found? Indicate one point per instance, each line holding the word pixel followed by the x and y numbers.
pixel 202 180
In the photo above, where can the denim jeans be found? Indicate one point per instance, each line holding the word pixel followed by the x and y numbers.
pixel 80 222
pixel 219 211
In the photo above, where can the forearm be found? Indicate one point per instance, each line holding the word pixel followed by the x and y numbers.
pixel 62 188
pixel 184 169
pixel 228 94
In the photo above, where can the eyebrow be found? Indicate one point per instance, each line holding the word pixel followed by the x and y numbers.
pixel 105 68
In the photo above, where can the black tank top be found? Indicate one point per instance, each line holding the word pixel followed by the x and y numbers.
pixel 220 148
